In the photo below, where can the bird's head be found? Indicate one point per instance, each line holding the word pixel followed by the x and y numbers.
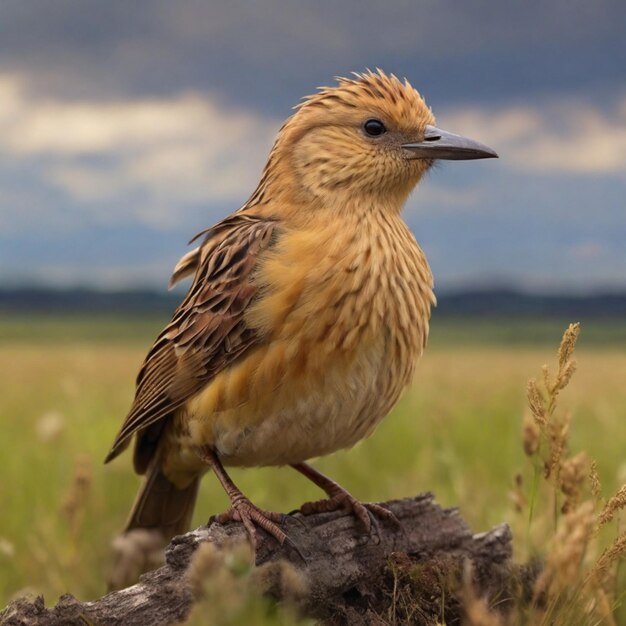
pixel 371 135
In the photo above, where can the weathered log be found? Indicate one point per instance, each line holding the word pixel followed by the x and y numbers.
pixel 351 576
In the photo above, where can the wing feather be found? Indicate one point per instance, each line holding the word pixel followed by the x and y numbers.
pixel 207 331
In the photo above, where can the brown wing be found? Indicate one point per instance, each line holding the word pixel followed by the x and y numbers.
pixel 208 331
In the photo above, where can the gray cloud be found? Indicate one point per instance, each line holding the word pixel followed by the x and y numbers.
pixel 125 127
pixel 273 51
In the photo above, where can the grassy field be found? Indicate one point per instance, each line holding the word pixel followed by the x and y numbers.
pixel 66 384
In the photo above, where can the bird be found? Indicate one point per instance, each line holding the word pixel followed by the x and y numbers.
pixel 307 311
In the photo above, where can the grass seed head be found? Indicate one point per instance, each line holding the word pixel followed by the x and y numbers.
pixel 594 481
pixel 558 431
pixel 517 496
pixel 564 562
pixel 613 506
pixel 615 551
pixel 572 476
pixel 206 560
pixel 280 579
pixel 134 552
pixel 536 402
pixel 75 500
pixel 7 549
pixel 568 343
pixel 564 376
pixel 531 435
pixel 50 426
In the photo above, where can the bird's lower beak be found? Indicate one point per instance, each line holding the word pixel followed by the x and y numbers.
pixel 440 144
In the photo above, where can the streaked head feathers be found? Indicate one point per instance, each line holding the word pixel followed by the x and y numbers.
pixel 380 93
pixel 326 146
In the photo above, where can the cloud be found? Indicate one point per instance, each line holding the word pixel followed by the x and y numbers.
pixel 155 161
pixel 587 250
pixel 162 153
pixel 112 276
pixel 443 199
pixel 278 47
pixel 152 171
pixel 566 136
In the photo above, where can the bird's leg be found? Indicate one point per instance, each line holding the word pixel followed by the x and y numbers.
pixel 338 497
pixel 241 509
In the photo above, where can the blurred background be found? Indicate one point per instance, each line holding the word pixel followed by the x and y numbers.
pixel 127 127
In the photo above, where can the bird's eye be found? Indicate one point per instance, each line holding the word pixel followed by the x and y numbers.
pixel 374 128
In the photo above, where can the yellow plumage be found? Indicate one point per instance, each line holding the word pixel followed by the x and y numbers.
pixel 308 309
pixel 343 345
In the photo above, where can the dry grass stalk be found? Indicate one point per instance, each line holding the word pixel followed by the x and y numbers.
pixel 215 575
pixel 594 481
pixel 206 560
pixel 603 578
pixel 572 589
pixel 280 579
pixel 477 613
pixel 536 402
pixel 612 507
pixel 75 500
pixel 7 549
pixel 50 426
pixel 568 343
pixel 557 431
pixel 136 551
pixel 517 495
pixel 230 590
pixel 531 435
pixel 604 608
pixel 563 566
pixel 566 366
pixel 545 435
pixel 609 557
pixel 573 475
pixel 476 609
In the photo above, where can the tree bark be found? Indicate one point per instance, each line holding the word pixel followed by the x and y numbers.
pixel 351 577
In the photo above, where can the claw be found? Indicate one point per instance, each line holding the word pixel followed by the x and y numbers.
pixel 242 510
pixel 366 513
pixel 383 513
pixel 296 518
pixel 338 498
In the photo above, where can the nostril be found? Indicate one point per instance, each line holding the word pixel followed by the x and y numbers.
pixel 432 138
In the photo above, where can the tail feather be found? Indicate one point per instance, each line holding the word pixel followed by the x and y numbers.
pixel 162 506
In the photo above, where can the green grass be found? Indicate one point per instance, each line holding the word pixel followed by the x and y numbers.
pixel 38 329
pixel 523 332
pixel 456 433
pixel 137 329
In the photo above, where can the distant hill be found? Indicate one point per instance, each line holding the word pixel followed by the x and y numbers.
pixel 483 303
pixel 40 300
pixel 498 302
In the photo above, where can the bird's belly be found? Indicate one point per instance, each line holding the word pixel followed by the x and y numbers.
pixel 342 342
pixel 306 416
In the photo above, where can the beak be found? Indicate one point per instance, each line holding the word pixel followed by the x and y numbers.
pixel 440 144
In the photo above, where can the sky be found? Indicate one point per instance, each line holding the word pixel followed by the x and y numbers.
pixel 127 127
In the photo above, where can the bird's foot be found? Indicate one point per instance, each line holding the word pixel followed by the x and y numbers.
pixel 366 512
pixel 242 510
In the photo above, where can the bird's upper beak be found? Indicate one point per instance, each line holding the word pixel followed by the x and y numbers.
pixel 440 144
